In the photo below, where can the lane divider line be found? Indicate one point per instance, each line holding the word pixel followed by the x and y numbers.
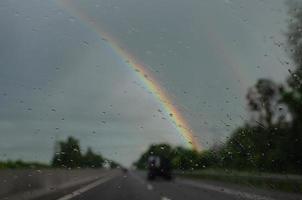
pixel 149 187
pixel 85 188
pixel 142 181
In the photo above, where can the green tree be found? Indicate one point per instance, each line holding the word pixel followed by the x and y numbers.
pixel 92 160
pixel 185 159
pixel 69 154
pixel 113 165
pixel 292 95
pixel 263 100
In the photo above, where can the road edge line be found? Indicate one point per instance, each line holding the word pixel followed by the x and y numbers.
pixel 225 190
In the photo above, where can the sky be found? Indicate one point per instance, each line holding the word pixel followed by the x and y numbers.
pixel 60 77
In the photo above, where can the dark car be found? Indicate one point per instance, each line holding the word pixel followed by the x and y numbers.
pixel 124 170
pixel 159 166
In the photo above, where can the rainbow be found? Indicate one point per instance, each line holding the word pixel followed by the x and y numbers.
pixel 230 60
pixel 144 75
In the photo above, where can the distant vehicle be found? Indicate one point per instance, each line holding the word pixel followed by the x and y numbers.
pixel 159 166
pixel 124 170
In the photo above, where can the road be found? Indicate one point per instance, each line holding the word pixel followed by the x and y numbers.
pixel 133 186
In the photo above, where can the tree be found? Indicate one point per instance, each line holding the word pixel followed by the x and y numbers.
pixel 185 159
pixel 92 160
pixel 69 154
pixel 292 96
pixel 263 100
pixel 113 165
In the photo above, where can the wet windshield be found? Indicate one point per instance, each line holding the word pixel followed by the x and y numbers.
pixel 161 99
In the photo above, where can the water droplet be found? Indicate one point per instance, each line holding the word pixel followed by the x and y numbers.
pixel 86 43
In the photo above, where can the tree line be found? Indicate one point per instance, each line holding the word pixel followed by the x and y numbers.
pixel 271 140
pixel 68 155
pixel 19 164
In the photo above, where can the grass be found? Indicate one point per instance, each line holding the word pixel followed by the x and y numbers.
pixel 287 183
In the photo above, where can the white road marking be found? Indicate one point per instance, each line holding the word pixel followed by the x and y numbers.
pixel 149 187
pixel 85 188
pixel 141 180
pixel 244 195
pixel 165 198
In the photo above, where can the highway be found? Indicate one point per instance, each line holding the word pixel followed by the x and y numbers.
pixel 134 186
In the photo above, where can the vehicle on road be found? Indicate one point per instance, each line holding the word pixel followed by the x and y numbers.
pixel 159 166
pixel 124 170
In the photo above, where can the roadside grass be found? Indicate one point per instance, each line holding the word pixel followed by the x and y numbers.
pixel 281 182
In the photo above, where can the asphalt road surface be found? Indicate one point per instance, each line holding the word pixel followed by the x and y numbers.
pixel 134 186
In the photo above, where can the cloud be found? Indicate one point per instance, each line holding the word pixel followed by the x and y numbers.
pixel 59 78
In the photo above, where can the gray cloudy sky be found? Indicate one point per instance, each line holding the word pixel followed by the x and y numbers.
pixel 59 78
